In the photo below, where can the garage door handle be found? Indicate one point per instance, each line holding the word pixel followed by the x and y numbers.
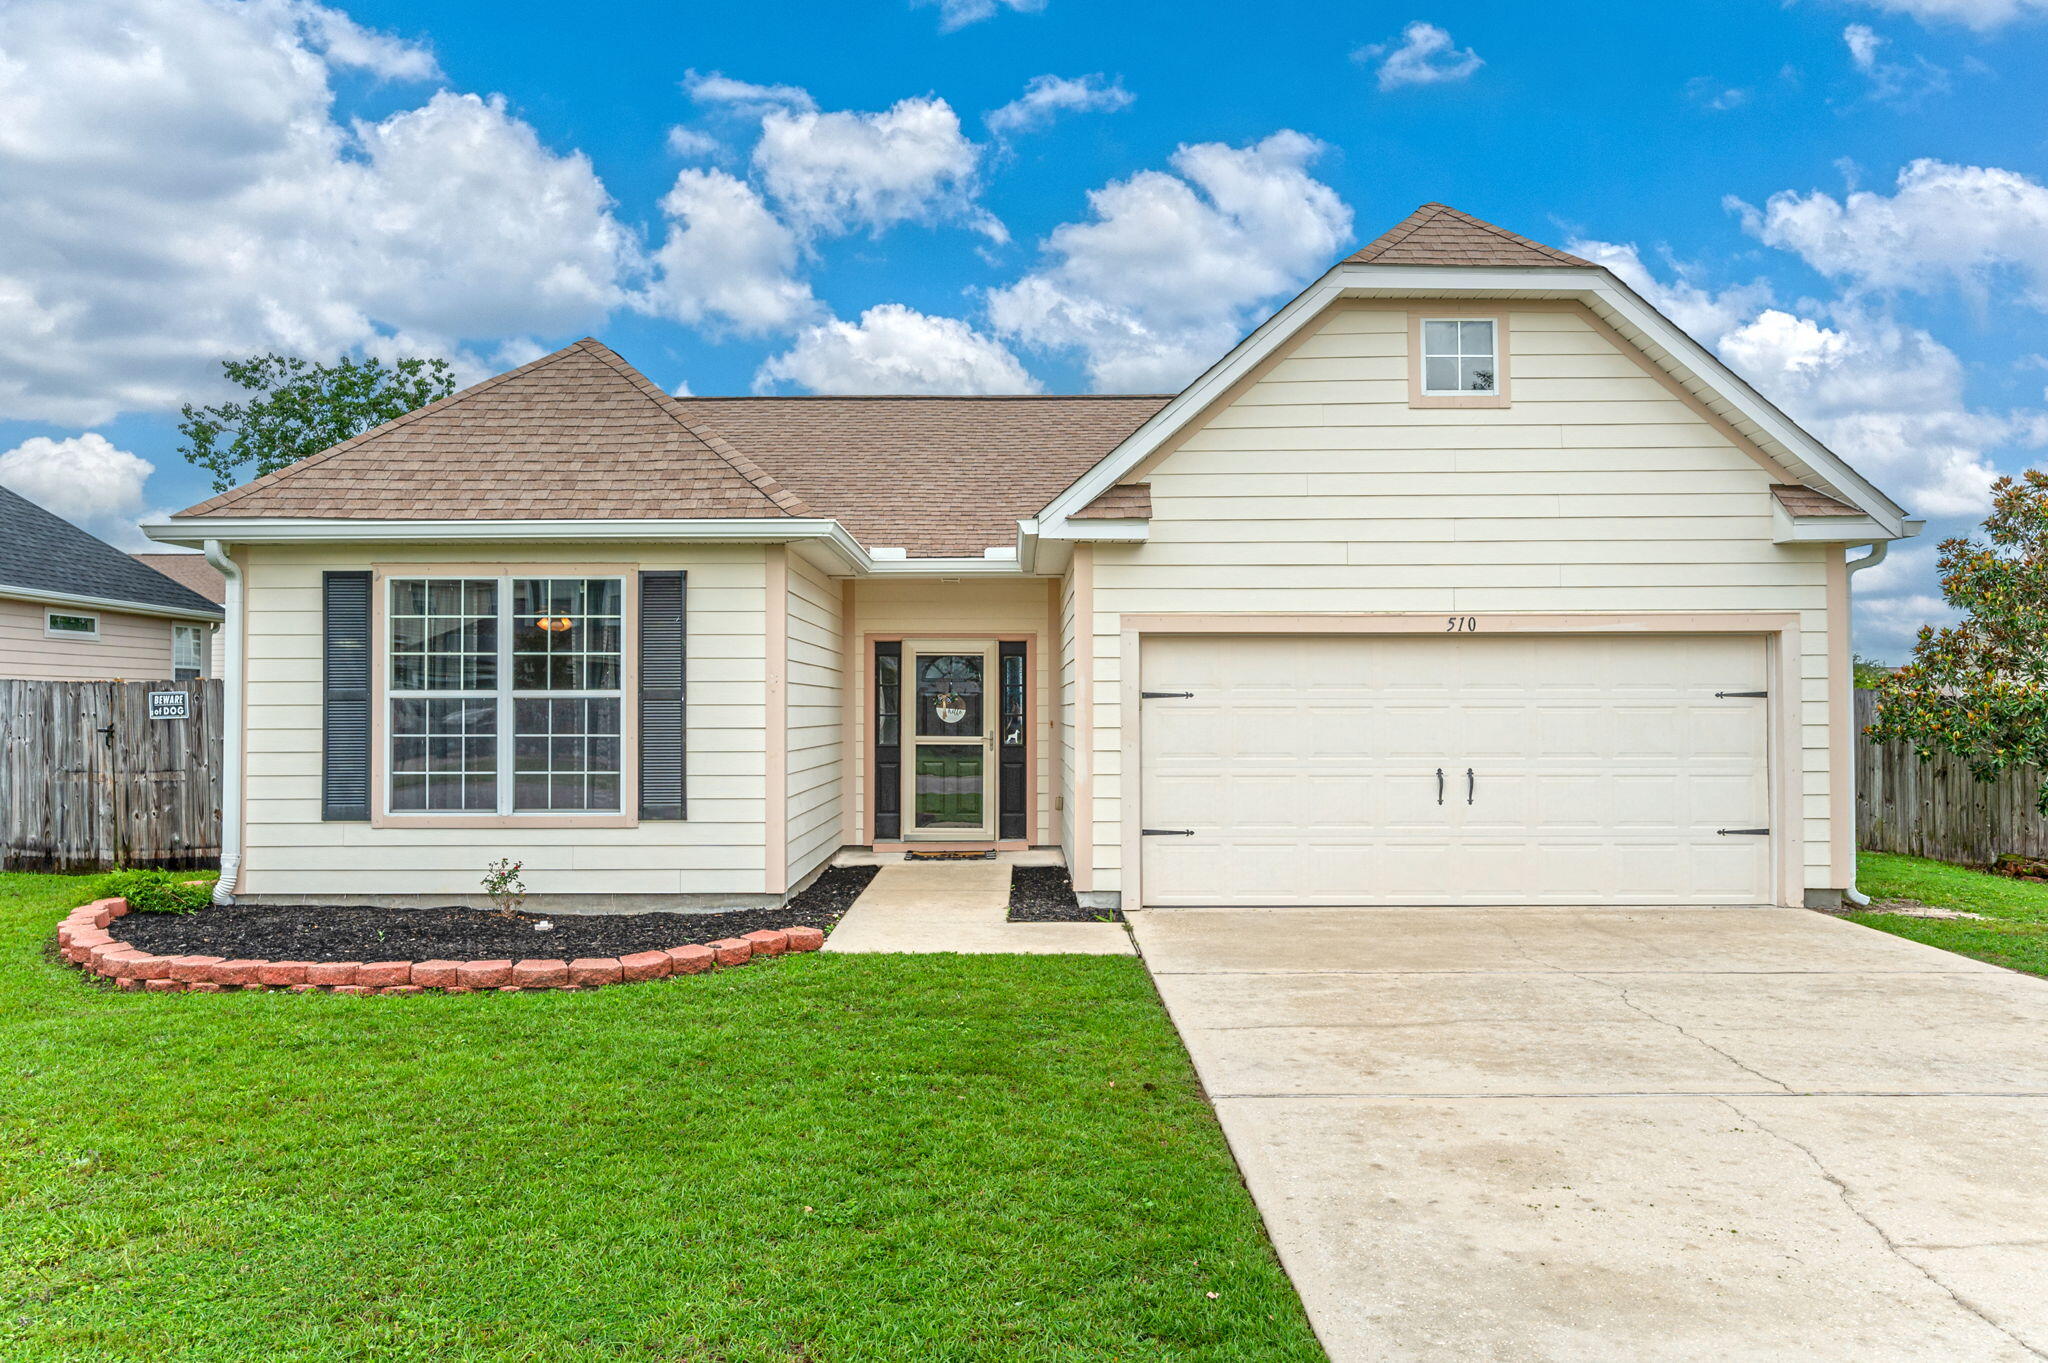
pixel 1168 832
pixel 1471 785
pixel 1439 785
pixel 1166 695
pixel 1743 832
pixel 1740 695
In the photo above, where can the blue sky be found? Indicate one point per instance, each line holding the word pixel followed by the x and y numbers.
pixel 1844 196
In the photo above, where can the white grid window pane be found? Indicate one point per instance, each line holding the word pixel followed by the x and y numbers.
pixel 1460 357
pixel 187 656
pixel 566 633
pixel 444 754
pixel 565 753
pixel 444 634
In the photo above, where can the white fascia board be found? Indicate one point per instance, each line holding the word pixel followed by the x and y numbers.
pixel 283 530
pixel 1787 528
pixel 949 567
pixel 1599 289
pixel 108 603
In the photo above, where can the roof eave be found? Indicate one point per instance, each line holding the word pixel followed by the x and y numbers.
pixel 108 603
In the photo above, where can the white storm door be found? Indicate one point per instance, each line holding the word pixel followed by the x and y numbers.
pixel 949 717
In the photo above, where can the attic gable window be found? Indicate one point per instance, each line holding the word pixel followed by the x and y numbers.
pixel 1460 356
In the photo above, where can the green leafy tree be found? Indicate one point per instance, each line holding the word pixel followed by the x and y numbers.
pixel 301 408
pixel 1869 672
pixel 1979 689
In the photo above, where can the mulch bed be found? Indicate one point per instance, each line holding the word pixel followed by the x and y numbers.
pixel 348 932
pixel 1045 894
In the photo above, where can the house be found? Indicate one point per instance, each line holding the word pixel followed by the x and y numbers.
pixel 1467 577
pixel 192 570
pixel 74 608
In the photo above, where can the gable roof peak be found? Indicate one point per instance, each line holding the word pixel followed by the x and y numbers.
pixel 576 433
pixel 1438 234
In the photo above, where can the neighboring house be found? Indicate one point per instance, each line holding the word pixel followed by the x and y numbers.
pixel 1465 578
pixel 192 570
pixel 74 608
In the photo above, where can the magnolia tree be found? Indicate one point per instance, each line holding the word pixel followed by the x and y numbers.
pixel 301 408
pixel 1979 689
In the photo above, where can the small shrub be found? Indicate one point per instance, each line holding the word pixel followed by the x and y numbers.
pixel 503 885
pixel 155 891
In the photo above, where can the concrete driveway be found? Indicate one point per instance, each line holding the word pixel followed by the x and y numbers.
pixel 1627 1134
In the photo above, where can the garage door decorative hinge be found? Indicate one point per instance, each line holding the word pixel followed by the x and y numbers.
pixel 1166 695
pixel 1168 832
pixel 1743 832
pixel 1740 695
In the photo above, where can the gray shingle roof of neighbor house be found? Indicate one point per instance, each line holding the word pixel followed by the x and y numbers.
pixel 581 434
pixel 42 552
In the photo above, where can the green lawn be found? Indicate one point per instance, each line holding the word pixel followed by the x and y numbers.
pixel 2014 932
pixel 814 1159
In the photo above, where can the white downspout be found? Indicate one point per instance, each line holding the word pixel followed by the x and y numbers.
pixel 1855 566
pixel 231 729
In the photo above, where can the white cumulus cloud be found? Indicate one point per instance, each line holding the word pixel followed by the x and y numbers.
pixel 1706 315
pixel 1165 274
pixel 960 13
pixel 895 349
pixel 86 479
pixel 1944 224
pixel 1982 15
pixel 1425 55
pixel 727 260
pixel 181 190
pixel 838 172
pixel 1045 98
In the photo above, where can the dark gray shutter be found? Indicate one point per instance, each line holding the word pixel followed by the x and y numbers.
pixel 1014 724
pixel 345 697
pixel 888 783
pixel 662 708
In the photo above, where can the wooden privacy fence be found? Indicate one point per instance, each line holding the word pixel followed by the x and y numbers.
pixel 1936 809
pixel 90 780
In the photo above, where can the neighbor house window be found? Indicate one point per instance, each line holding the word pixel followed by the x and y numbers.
pixel 58 625
pixel 505 694
pixel 1460 356
pixel 188 657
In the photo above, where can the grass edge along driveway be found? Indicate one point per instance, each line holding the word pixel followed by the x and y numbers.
pixel 817 1158
pixel 2013 931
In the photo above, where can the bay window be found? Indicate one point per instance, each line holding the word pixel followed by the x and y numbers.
pixel 505 694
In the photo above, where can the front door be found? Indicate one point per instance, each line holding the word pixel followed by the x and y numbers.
pixel 949 741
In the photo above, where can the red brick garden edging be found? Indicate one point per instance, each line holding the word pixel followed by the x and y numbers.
pixel 84 939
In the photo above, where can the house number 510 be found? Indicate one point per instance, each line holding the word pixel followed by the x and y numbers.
pixel 1461 624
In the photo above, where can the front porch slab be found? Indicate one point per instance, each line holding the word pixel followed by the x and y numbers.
pixel 960 907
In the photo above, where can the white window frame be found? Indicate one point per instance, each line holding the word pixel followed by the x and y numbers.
pixel 50 631
pixel 504 696
pixel 197 667
pixel 1427 355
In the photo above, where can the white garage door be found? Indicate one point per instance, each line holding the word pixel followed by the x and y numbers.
pixel 1463 770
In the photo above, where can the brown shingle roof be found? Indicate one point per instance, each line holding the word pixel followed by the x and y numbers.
pixel 938 476
pixel 192 570
pixel 1125 501
pixel 1437 234
pixel 576 434
pixel 1806 501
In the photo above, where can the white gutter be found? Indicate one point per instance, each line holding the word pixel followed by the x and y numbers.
pixel 1855 566
pixel 106 603
pixel 231 730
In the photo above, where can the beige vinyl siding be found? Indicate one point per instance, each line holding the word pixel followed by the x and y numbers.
pixel 927 608
pixel 814 704
pixel 718 849
pixel 130 647
pixel 1318 488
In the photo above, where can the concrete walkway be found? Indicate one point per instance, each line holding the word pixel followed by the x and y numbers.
pixel 1627 1134
pixel 959 906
